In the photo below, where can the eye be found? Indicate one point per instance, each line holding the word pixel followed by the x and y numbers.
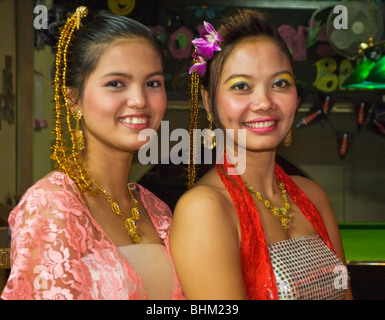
pixel 114 84
pixel 240 86
pixel 281 83
pixel 154 84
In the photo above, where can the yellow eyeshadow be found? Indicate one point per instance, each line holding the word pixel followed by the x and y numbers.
pixel 233 81
pixel 286 76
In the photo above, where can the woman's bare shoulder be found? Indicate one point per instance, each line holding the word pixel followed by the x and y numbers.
pixel 318 196
pixel 314 191
pixel 208 191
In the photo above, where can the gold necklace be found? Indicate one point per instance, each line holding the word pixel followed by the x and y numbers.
pixel 281 213
pixel 131 224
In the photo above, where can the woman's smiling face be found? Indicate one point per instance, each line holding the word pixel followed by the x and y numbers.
pixel 257 93
pixel 123 95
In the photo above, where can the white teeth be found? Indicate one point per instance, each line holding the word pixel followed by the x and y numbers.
pixel 265 124
pixel 134 120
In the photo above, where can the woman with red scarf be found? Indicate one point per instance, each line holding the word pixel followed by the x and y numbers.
pixel 259 233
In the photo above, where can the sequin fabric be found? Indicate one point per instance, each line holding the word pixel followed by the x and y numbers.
pixel 306 269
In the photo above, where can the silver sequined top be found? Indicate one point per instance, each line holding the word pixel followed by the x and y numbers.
pixel 306 269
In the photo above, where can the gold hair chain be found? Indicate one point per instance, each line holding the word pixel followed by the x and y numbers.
pixel 281 213
pixel 191 169
pixel 71 163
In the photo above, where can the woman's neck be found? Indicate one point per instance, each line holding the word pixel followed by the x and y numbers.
pixel 259 171
pixel 110 172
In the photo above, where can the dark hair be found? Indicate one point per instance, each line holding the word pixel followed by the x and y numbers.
pixel 98 31
pixel 239 26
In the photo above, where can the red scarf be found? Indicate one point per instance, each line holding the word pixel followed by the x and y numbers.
pixel 257 269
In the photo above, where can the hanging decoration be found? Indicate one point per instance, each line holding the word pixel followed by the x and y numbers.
pixel 362 111
pixel 318 112
pixel 379 118
pixel 344 140
pixel 379 126
pixel 121 7
pixel 309 119
pixel 326 106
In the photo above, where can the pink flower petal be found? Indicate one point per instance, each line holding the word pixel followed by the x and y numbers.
pixel 199 42
pixel 196 55
pixel 216 47
pixel 206 52
pixel 209 27
pixel 200 67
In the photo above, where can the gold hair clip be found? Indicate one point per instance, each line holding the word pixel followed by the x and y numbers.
pixel 81 12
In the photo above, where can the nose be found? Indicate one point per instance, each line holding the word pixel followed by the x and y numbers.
pixel 262 102
pixel 136 97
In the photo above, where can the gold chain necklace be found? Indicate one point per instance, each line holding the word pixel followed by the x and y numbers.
pixel 131 224
pixel 281 213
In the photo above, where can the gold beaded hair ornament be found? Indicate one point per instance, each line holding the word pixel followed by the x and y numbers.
pixel 205 46
pixel 71 163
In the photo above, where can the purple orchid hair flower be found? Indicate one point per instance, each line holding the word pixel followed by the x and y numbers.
pixel 200 66
pixel 205 47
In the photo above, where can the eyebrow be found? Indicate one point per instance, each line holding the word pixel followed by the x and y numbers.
pixel 239 75
pixel 129 76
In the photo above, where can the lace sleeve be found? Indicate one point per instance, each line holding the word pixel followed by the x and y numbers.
pixel 158 210
pixel 45 255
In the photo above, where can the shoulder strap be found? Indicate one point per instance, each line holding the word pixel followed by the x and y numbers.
pixel 258 274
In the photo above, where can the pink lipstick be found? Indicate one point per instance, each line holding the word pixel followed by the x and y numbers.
pixel 261 125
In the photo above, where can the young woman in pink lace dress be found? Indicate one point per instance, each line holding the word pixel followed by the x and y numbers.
pixel 82 232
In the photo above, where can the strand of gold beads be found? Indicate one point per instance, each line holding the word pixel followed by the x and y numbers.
pixel 70 163
pixel 193 125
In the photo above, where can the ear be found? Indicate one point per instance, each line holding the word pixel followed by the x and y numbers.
pixel 205 99
pixel 73 100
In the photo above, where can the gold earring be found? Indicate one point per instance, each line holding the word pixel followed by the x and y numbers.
pixel 209 139
pixel 78 133
pixel 288 139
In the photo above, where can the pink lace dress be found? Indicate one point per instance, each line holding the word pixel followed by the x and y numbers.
pixel 58 250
